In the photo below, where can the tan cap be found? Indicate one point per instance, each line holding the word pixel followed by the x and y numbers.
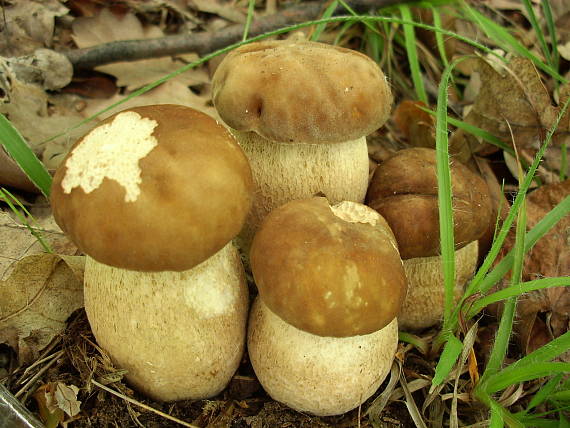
pixel 153 188
pixel 404 190
pixel 330 271
pixel 301 92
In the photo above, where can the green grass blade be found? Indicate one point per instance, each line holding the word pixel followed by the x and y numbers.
pixel 517 374
pixel 19 150
pixel 544 392
pixel 444 186
pixel 551 32
pixel 501 344
pixel 374 44
pixel 438 36
pixel 502 37
pixel 447 359
pixel 538 31
pixel 517 290
pixel 412 51
pixel 248 19
pixel 321 27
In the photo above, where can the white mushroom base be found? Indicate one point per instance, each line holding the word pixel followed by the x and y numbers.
pixel 180 335
pixel 320 375
pixel 424 303
pixel 287 171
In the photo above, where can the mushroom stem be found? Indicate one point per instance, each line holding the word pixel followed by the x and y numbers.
pixel 424 303
pixel 287 171
pixel 320 375
pixel 180 335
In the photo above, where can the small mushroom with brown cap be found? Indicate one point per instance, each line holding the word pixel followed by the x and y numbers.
pixel 301 112
pixel 404 190
pixel 323 333
pixel 154 195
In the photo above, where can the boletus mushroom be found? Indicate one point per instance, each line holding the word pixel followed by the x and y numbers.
pixel 301 112
pixel 153 196
pixel 323 333
pixel 404 190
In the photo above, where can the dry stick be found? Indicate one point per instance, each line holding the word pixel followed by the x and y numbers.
pixel 206 42
pixel 144 406
pixel 38 374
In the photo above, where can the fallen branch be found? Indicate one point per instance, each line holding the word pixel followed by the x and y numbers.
pixel 207 42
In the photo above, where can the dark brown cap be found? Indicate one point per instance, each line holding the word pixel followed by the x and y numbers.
pixel 153 188
pixel 330 271
pixel 301 92
pixel 404 190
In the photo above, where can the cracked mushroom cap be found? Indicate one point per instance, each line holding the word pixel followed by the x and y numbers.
pixel 301 92
pixel 153 188
pixel 330 271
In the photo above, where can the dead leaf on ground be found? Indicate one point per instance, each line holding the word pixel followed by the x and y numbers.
pixel 226 10
pixel 28 25
pixel 544 314
pixel 513 100
pixel 35 114
pixel 16 241
pixel 38 297
pixel 107 27
pixel 55 400
pixel 170 92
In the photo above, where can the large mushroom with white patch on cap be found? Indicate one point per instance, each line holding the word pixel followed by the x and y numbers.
pixel 301 111
pixel 323 334
pixel 153 196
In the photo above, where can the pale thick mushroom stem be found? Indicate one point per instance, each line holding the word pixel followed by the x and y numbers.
pixel 180 335
pixel 424 303
pixel 287 171
pixel 320 375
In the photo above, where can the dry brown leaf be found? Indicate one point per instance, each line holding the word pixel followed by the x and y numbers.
pixel 227 10
pixel 107 27
pixel 16 241
pixel 29 25
pixel 170 92
pixel 513 100
pixel 11 175
pixel 38 297
pixel 417 125
pixel 26 105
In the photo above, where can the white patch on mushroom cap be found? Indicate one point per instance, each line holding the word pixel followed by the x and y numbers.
pixel 353 212
pixel 112 150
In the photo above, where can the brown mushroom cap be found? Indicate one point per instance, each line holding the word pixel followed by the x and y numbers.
pixel 328 271
pixel 404 190
pixel 301 92
pixel 153 188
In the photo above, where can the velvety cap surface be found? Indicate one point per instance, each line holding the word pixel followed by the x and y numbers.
pixel 301 92
pixel 153 188
pixel 404 190
pixel 328 271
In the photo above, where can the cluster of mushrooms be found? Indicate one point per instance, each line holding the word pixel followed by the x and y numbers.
pixel 156 196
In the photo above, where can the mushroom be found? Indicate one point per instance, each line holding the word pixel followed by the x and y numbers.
pixel 321 375
pixel 330 271
pixel 404 190
pixel 301 111
pixel 153 196
pixel 323 333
